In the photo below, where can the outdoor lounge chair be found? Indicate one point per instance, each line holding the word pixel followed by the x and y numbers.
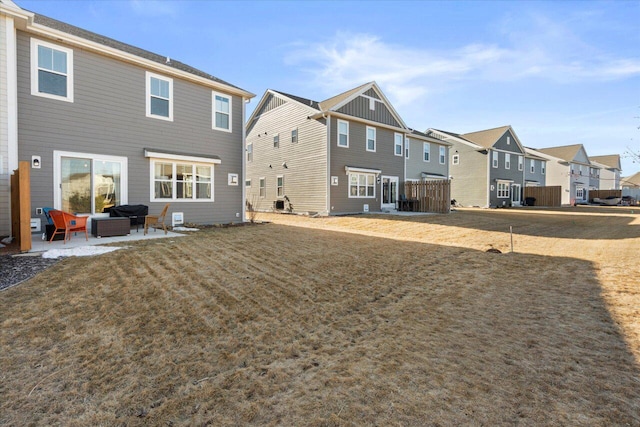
pixel 66 223
pixel 156 221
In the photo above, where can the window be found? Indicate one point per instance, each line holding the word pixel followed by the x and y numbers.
pixel 221 112
pixel 443 155
pixel 508 140
pixel 398 144
pixel 89 183
pixel 177 180
pixel 456 159
pixel 543 167
pixel 247 183
pixel 520 163
pixel 51 71
pixel 362 185
pixel 580 193
pixel 280 186
pixel 426 151
pixel 532 166
pixel 372 104
pixel 250 152
pixel 263 188
pixel 294 135
pixel 494 160
pixel 371 139
pixel 406 148
pixel 159 97
pixel 276 140
pixel 343 133
pixel 503 190
pixel 507 161
pixel 580 169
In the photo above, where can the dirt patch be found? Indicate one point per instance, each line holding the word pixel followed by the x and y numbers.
pixel 370 320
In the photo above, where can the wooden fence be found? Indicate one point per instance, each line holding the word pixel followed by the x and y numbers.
pixel 603 194
pixel 545 196
pixel 430 196
pixel 21 205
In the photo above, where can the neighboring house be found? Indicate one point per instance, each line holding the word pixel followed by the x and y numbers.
pixel 535 169
pixel 104 123
pixel 609 172
pixel 427 158
pixel 487 167
pixel 631 182
pixel 568 166
pixel 342 155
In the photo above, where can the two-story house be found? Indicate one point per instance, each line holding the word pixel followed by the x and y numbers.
pixel 609 171
pixel 535 169
pixel 486 167
pixel 568 166
pixel 427 158
pixel 342 155
pixel 104 123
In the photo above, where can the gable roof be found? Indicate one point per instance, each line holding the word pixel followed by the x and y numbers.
pixel 59 30
pixel 566 152
pixel 530 153
pixel 309 103
pixel 334 101
pixel 611 160
pixel 424 137
pixel 631 180
pixel 486 138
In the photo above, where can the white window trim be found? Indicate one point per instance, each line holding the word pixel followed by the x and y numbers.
pixel 508 140
pixel 276 140
pixel 520 163
pixel 279 187
pixel 532 166
pixel 57 174
pixel 455 160
pixel 495 159
pixel 407 144
pixel 426 149
pixel 397 144
pixel 506 185
pixel 354 172
pixel 296 139
pixel 148 77
pixel 250 152
pixel 34 70
pixel 507 161
pixel 213 111
pixel 443 155
pixel 174 161
pixel 338 133
pixel 247 182
pixel 367 139
pixel 262 180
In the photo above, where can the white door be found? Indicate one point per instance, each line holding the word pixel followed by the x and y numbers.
pixel 389 192
pixel 515 194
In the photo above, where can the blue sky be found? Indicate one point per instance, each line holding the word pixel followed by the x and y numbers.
pixel 558 72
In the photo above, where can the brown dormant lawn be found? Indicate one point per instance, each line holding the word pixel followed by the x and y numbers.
pixel 341 321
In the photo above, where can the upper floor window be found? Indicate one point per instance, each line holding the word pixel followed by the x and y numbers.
pixel 51 71
pixel 276 140
pixel 294 135
pixel 443 155
pixel 520 163
pixel 494 159
pixel 508 140
pixel 343 133
pixel 398 144
pixel 249 152
pixel 262 188
pixel 280 186
pixel 532 166
pixel 507 161
pixel 543 167
pixel 455 159
pixel 406 148
pixel 426 151
pixel 221 112
pixel 159 97
pixel 371 139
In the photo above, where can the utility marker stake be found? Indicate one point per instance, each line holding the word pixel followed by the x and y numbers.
pixel 511 232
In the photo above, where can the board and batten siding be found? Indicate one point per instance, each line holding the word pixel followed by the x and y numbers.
pixel 108 117
pixel 359 107
pixel 416 165
pixel 305 177
pixel 356 155
pixel 469 183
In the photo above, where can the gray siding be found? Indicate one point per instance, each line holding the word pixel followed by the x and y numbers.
pixel 416 164
pixel 305 178
pixel 502 173
pixel 372 93
pixel 5 173
pixel 469 183
pixel 107 117
pixel 501 144
pixel 537 175
pixel 356 155
pixel 359 107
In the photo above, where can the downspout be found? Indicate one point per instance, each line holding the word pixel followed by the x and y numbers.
pixel 489 166
pixel 245 101
pixel 11 81
pixel 328 124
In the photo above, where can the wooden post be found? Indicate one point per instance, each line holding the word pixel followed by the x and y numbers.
pixel 21 205
pixel 511 233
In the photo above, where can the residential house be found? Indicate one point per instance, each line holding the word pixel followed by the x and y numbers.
pixel 104 123
pixel 427 158
pixel 631 186
pixel 487 167
pixel 609 171
pixel 535 169
pixel 342 155
pixel 569 167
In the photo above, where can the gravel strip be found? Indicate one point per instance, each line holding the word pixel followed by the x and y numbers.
pixel 15 269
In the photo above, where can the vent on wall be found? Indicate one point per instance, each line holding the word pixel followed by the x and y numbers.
pixel 177 218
